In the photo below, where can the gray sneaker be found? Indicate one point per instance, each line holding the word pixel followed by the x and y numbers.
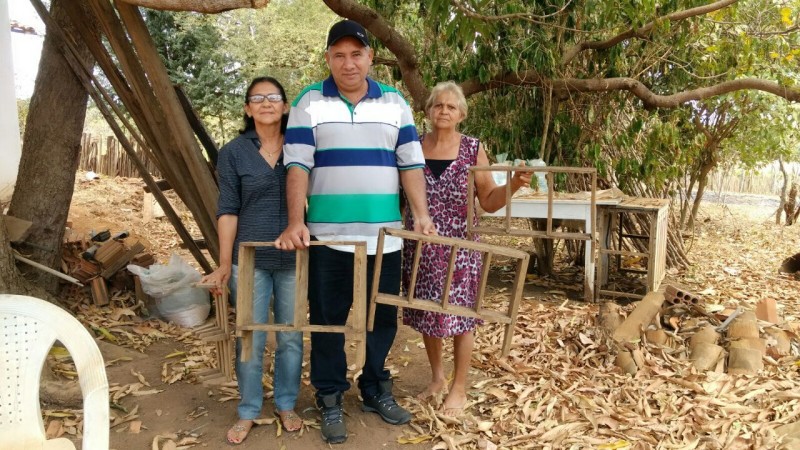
pixel 385 405
pixel 333 429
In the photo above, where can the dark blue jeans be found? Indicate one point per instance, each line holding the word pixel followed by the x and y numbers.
pixel 330 295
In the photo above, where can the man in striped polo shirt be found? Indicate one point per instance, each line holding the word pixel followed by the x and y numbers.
pixel 350 143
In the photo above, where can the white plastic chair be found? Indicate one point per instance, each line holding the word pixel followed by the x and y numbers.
pixel 28 328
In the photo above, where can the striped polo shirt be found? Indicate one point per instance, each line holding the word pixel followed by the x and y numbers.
pixel 353 154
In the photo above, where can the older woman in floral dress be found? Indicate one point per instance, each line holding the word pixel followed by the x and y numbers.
pixel 448 156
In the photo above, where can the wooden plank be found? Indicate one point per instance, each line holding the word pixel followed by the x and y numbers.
pixel 16 229
pixel 376 279
pixel 163 186
pixel 135 247
pixel 479 246
pixel 486 262
pixel 98 93
pixel 197 125
pixel 244 298
pixel 412 283
pixel 448 280
pixel 359 327
pixel 301 288
pixel 205 191
pixel 428 305
pixel 99 291
pixel 312 328
pixel 513 304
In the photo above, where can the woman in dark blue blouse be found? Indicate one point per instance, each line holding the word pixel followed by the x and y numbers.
pixel 252 207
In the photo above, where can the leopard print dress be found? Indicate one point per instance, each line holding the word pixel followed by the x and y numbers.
pixel 447 203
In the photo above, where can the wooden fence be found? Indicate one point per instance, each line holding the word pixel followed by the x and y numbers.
pixel 105 156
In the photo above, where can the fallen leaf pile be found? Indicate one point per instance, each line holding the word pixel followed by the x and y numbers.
pixel 559 387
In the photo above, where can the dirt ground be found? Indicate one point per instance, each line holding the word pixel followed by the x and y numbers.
pixel 559 388
pixel 189 408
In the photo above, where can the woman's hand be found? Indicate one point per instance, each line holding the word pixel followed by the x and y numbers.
pixel 520 179
pixel 219 278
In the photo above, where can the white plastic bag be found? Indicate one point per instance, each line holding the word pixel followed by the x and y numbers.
pixel 171 286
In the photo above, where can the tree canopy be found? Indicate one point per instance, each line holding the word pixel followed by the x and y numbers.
pixel 629 87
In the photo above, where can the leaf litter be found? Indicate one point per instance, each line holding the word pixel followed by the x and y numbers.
pixel 559 387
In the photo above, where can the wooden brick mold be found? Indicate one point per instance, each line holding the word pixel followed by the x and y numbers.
pixel 218 332
pixel 508 317
pixel 355 328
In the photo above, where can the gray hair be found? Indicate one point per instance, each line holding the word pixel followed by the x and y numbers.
pixel 448 86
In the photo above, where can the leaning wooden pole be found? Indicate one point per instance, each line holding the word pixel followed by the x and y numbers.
pixel 205 188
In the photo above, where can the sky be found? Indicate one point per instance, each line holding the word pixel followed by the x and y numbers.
pixel 25 48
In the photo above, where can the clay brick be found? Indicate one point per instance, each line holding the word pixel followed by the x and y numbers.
pixel 767 310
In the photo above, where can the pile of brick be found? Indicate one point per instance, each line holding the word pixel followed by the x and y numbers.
pixel 98 259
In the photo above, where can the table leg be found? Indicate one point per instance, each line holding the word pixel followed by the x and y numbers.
pixel 588 282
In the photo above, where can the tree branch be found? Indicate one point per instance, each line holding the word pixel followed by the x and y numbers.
pixel 648 97
pixel 400 47
pixel 533 18
pixel 204 6
pixel 677 16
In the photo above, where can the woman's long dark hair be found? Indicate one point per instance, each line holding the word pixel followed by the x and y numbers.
pixel 249 122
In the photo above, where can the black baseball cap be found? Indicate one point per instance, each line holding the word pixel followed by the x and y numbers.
pixel 347 28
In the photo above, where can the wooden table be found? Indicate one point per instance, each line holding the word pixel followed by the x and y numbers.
pixel 568 209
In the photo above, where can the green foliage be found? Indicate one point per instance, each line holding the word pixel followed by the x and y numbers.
pixel 191 47
pixel 634 148
pixel 286 40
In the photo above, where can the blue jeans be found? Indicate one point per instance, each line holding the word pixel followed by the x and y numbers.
pixel 288 355
pixel 330 295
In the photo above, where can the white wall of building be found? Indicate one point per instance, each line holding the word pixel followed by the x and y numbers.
pixel 10 149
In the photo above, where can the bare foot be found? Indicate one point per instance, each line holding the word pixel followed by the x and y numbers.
pixel 433 389
pixel 239 431
pixel 290 421
pixel 454 403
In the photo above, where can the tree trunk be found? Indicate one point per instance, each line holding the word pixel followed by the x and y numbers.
pixel 50 153
pixel 687 200
pixel 545 250
pixel 10 281
pixel 702 181
pixel 790 206
pixel 783 193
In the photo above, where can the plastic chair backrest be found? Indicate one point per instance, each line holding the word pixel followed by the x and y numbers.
pixel 28 328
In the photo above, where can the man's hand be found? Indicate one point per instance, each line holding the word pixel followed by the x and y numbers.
pixel 295 236
pixel 425 226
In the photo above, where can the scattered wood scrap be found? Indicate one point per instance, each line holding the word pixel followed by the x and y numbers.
pixel 97 260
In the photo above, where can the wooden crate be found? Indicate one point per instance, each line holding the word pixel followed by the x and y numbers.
pixel 355 328
pixel 508 317
pixel 613 245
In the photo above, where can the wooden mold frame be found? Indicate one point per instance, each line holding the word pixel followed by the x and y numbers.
pixel 354 330
pixel 218 332
pixel 507 230
pixel 509 318
pixel 612 243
